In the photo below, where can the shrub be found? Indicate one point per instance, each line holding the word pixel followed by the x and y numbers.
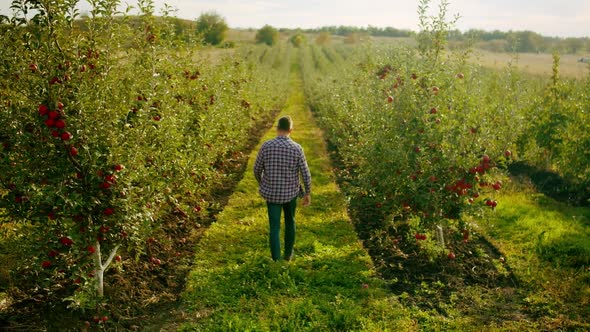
pixel 267 35
pixel 323 38
pixel 212 27
pixel 298 39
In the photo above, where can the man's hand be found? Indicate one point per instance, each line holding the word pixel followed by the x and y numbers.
pixel 306 200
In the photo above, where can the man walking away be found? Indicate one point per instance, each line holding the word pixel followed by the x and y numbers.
pixel 279 168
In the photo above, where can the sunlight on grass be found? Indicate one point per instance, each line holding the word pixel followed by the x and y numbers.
pixel 547 229
pixel 547 245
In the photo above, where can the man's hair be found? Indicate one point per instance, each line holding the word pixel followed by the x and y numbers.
pixel 285 123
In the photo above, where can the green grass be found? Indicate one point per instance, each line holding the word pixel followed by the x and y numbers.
pixel 547 244
pixel 235 286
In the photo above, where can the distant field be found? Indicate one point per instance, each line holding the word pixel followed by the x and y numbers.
pixel 532 63
pixel 239 35
pixel 538 64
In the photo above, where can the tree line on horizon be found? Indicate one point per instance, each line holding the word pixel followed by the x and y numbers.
pixel 496 41
pixel 211 28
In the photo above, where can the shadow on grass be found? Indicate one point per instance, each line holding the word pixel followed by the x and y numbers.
pixel 553 185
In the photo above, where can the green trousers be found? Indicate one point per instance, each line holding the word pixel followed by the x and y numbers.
pixel 274 218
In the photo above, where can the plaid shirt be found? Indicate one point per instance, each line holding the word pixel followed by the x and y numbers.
pixel 278 165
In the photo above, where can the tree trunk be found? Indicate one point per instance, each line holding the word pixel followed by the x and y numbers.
pixel 101 268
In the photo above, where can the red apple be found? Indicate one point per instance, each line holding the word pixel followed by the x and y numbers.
pixel 433 110
pixel 118 167
pixel 73 151
pixel 60 105
pixel 390 99
pixel 435 90
pixel 110 178
pixel 157 118
pixel 451 256
pixel 108 211
pixel 485 159
pixel 54 80
pixel 465 234
pixel 66 136
pixel 46 264
pixel 365 286
pixel 33 67
pixel 497 185
pixel 43 110
pixel 91 249
pixel 50 123
pixel 118 258
pixel 55 133
pixel 66 241
pixel 60 124
pixel 507 153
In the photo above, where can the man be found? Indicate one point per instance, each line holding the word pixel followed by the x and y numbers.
pixel 279 165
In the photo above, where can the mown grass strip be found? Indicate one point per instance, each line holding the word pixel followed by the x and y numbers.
pixel 234 285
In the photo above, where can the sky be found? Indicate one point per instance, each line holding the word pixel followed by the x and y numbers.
pixel 563 18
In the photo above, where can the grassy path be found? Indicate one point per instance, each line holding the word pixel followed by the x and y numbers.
pixel 234 286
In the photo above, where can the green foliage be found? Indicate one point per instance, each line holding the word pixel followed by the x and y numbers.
pixel 212 27
pixel 298 39
pixel 267 35
pixel 107 133
pixel 416 136
pixel 557 135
